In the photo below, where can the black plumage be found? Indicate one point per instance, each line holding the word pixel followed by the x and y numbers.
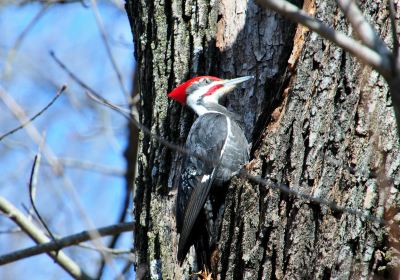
pixel 216 149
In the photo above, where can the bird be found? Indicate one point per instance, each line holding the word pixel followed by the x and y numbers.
pixel 216 148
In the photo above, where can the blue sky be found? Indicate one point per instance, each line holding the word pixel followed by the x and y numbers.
pixel 75 127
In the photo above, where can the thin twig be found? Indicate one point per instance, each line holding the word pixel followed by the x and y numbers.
pixel 30 128
pixel 49 2
pixel 29 27
pixel 66 180
pixel 32 189
pixel 21 37
pixel 115 238
pixel 111 251
pixel 285 189
pixel 91 166
pixel 130 153
pixel 75 77
pixel 332 205
pixel 380 63
pixel 74 239
pixel 383 61
pixel 11 230
pixel 244 173
pixel 30 212
pixel 39 237
pixel 52 159
pixel 100 24
pixel 92 94
pixel 101 100
pixel 59 92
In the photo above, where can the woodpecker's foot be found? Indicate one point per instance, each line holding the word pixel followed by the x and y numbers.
pixel 250 165
pixel 204 274
pixel 214 261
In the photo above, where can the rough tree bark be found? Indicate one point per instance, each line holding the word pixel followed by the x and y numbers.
pixel 323 126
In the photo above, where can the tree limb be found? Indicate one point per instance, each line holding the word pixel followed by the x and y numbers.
pixel 102 30
pixel 370 57
pixel 362 27
pixel 283 188
pixel 32 189
pixel 60 243
pixel 59 92
pixel 39 237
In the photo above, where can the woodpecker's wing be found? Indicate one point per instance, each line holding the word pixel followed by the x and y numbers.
pixel 206 139
pixel 194 206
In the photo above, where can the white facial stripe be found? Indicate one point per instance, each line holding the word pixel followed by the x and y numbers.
pixel 194 99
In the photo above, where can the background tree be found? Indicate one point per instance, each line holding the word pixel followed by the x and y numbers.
pixel 320 123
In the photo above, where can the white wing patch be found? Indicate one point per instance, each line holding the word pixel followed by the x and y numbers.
pixel 205 178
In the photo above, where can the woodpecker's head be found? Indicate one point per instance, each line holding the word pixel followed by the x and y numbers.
pixel 199 91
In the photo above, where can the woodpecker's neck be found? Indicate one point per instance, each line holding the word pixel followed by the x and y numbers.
pixel 201 107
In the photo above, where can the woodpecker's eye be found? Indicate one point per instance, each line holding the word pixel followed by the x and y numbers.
pixel 201 82
pixel 195 86
pixel 205 81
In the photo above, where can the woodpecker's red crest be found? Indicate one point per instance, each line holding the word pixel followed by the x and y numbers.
pixel 181 92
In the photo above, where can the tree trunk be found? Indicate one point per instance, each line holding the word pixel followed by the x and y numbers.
pixel 323 126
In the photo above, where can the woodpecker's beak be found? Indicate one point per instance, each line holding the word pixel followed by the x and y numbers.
pixel 236 81
pixel 229 85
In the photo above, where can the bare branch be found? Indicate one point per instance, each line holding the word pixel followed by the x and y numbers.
pixel 130 154
pixel 31 130
pixel 363 28
pixel 80 82
pixel 93 95
pixel 17 110
pixel 130 116
pixel 12 52
pixel 285 189
pixel 59 92
pixel 29 27
pixel 114 239
pixel 370 57
pixel 56 2
pixel 11 230
pixel 91 166
pixel 244 173
pixel 39 237
pixel 382 61
pixel 332 205
pixel 111 251
pixel 50 247
pixel 32 189
pixel 108 48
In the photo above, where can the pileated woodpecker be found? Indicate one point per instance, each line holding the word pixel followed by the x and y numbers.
pixel 216 148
